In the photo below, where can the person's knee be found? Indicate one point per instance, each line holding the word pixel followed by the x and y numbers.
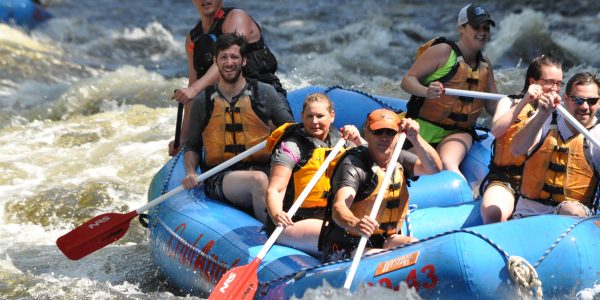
pixel 572 209
pixel 260 180
pixel 491 214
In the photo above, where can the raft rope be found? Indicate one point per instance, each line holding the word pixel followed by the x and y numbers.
pixel 191 247
pixel 384 104
pixel 170 173
pixel 525 276
pixel 520 270
pixel 145 218
pixel 411 208
pixel 515 259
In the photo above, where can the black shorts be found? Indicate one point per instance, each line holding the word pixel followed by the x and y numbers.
pixel 302 214
pixel 509 180
pixel 343 248
pixel 213 186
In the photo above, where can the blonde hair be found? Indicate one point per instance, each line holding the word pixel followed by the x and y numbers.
pixel 316 97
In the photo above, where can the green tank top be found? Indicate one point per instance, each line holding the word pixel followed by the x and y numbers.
pixel 441 72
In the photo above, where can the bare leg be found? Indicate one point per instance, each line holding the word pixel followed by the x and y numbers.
pixel 391 242
pixel 247 189
pixel 497 204
pixel 453 149
pixel 572 209
pixel 303 235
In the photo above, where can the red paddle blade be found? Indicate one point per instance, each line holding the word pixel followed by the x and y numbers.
pixel 238 283
pixel 94 234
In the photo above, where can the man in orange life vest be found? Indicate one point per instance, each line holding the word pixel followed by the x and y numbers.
pixel 216 20
pixel 355 183
pixel 560 175
pixel 228 118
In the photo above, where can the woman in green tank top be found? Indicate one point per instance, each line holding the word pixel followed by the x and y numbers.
pixel 427 75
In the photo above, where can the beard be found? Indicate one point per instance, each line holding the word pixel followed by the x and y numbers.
pixel 231 78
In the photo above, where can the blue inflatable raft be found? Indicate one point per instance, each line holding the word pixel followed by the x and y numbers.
pixel 194 240
pixel 23 13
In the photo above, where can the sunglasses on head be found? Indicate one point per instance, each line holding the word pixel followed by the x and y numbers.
pixel 579 100
pixel 387 131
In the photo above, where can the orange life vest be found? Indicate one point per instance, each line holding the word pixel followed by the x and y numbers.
pixel 394 206
pixel 312 159
pixel 502 156
pixel 453 111
pixel 232 129
pixel 559 170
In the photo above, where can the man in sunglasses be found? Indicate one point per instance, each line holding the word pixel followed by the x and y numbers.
pixel 355 182
pixel 560 172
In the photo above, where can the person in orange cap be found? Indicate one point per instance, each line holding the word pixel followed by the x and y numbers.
pixel 355 182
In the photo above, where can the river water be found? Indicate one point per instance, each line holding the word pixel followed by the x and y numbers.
pixel 85 115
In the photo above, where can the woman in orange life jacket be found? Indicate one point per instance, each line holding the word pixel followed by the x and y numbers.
pixel 544 75
pixel 447 121
pixel 298 150
pixel 215 20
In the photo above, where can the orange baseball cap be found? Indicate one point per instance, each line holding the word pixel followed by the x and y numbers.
pixel 383 118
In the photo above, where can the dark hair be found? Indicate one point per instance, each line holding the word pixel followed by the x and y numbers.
pixel 535 68
pixel 229 39
pixel 581 79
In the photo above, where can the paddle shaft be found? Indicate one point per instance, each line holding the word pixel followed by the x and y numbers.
pixel 561 109
pixel 178 126
pixel 228 163
pixel 311 184
pixel 391 167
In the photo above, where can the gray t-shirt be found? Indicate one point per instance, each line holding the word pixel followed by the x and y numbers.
pixel 352 171
pixel 289 154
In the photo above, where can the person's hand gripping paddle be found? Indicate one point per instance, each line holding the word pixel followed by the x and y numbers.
pixel 389 171
pixel 241 282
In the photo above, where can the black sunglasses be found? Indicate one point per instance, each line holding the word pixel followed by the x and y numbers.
pixel 387 131
pixel 482 26
pixel 580 100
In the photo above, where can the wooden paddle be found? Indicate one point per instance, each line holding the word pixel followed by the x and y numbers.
pixel 241 282
pixel 107 228
pixel 389 171
pixel 561 109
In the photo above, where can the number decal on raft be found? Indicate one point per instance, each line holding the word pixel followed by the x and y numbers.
pixel 430 270
pixel 412 279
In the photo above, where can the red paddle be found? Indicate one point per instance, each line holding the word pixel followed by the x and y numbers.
pixel 107 228
pixel 241 282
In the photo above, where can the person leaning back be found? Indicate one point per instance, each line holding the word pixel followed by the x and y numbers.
pixel 216 20
pixel 228 118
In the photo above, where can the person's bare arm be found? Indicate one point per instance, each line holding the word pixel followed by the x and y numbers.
pixel 344 217
pixel 278 182
pixel 506 113
pixel 429 61
pixel 490 106
pixel 239 21
pixel 191 161
pixel 530 135
pixel 428 161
